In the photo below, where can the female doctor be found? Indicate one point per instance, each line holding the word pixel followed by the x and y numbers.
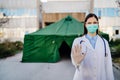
pixel 91 54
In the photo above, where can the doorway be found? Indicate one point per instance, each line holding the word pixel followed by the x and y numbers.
pixel 64 51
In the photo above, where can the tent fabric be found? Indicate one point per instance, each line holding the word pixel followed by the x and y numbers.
pixel 43 45
pixel 66 27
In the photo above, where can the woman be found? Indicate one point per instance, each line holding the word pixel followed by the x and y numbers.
pixel 91 54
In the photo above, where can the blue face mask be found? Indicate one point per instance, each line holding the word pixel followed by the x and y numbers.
pixel 92 28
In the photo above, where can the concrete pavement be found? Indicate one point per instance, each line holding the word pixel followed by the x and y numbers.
pixel 116 73
pixel 12 69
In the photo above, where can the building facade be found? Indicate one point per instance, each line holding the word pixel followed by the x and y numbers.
pixel 54 10
pixel 109 17
pixel 23 19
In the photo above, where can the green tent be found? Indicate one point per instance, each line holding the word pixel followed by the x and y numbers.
pixel 43 45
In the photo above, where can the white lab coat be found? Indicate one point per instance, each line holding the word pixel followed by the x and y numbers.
pixel 95 65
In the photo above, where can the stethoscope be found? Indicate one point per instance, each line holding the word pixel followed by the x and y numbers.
pixel 104 45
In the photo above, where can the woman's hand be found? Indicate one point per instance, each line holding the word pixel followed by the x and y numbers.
pixel 78 56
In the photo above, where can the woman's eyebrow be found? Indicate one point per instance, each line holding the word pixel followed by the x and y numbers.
pixel 92 22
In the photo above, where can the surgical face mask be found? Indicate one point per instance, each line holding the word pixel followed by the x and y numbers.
pixel 92 28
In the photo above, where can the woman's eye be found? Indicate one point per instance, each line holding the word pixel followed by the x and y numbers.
pixel 92 22
pixel 89 23
pixel 95 22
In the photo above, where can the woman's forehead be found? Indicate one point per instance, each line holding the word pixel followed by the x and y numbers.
pixel 92 19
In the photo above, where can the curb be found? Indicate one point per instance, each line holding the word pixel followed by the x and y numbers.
pixel 116 66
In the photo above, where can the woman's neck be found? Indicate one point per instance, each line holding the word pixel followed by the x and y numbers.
pixel 92 34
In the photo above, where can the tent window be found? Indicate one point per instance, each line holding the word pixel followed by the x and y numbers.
pixel 64 50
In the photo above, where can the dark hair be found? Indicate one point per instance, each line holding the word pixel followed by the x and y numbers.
pixel 87 17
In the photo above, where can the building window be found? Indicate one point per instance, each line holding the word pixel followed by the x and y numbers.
pixel 116 32
pixel 99 14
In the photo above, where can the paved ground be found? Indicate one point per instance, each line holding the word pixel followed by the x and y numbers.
pixel 12 69
pixel 116 73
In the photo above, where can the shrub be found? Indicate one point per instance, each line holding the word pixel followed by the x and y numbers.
pixel 19 45
pixel 5 52
pixel 114 42
pixel 116 50
pixel 10 48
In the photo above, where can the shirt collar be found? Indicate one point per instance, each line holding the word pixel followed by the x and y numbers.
pixel 90 37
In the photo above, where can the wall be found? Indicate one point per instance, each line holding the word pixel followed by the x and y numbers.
pixel 17 27
pixel 54 17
